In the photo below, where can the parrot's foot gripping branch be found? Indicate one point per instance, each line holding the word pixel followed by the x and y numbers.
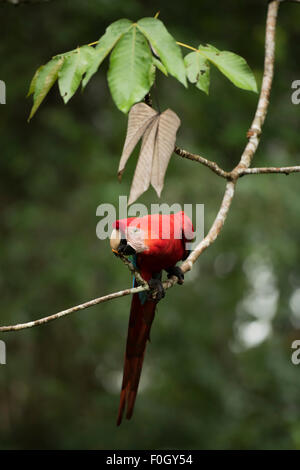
pixel 176 271
pixel 157 292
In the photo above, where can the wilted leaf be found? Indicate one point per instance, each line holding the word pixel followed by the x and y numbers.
pixel 159 136
pixel 129 69
pixel 165 46
pixel 139 118
pixel 142 175
pixel 233 66
pixel 198 70
pixel 43 81
pixel 168 124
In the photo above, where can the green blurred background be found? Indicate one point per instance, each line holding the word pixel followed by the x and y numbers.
pixel 218 371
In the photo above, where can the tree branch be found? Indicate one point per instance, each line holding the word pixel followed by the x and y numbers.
pixel 255 131
pixel 204 161
pixel 214 230
pixel 241 169
pixel 63 313
pixel 285 170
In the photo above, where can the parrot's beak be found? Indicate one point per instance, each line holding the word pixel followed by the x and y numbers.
pixel 119 244
pixel 115 240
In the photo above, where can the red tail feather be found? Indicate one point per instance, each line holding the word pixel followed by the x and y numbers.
pixel 140 321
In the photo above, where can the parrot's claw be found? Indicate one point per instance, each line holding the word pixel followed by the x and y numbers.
pixel 176 271
pixel 157 292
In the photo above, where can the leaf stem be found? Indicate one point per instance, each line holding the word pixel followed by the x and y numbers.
pixel 186 46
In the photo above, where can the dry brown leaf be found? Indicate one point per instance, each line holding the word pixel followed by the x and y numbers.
pixel 159 136
pixel 168 125
pixel 142 175
pixel 139 118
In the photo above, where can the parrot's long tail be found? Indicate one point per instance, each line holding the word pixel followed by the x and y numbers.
pixel 140 321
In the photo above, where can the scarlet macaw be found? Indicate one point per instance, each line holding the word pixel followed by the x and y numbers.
pixel 155 242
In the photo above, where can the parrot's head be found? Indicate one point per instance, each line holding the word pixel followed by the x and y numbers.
pixel 127 238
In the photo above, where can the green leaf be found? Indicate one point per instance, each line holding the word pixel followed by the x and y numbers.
pixel 33 81
pixel 111 36
pixel 130 69
pixel 74 66
pixel 152 73
pixel 43 82
pixel 233 66
pixel 198 70
pixel 165 46
pixel 160 66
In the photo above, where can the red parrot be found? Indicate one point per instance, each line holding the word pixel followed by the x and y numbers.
pixel 155 242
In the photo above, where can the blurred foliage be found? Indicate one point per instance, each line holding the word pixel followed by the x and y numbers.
pixel 218 371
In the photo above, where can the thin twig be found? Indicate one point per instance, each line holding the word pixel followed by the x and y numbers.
pixel 91 303
pixel 204 161
pixel 63 313
pixel 285 170
pixel 214 230
pixel 234 174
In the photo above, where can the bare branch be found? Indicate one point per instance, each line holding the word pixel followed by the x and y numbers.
pixel 204 161
pixel 91 303
pixel 262 107
pixel 285 170
pixel 63 313
pixel 214 230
